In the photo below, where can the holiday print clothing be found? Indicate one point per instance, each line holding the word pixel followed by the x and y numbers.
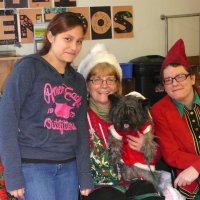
pixel 179 137
pixel 4 195
pixel 104 174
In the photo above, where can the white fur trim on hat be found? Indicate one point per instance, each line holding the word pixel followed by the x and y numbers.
pixel 136 94
pixel 98 54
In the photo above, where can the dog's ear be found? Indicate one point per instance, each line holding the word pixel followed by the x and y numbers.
pixel 114 99
pixel 145 102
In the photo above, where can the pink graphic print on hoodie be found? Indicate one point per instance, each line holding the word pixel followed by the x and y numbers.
pixel 60 114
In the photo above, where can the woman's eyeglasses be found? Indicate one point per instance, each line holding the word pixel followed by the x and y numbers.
pixel 99 81
pixel 178 78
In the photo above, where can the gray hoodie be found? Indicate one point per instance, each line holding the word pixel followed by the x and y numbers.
pixel 43 118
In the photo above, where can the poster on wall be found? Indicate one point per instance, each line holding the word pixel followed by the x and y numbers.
pixel 104 22
pixel 84 12
pixel 16 3
pixel 122 21
pixel 65 3
pixel 50 12
pixel 1 4
pixel 28 17
pixel 101 26
pixel 40 3
pixel 39 35
pixel 8 27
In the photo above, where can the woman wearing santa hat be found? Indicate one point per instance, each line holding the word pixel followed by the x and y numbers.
pixel 177 120
pixel 103 76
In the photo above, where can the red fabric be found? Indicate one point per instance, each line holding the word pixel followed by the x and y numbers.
pixel 3 193
pixel 96 122
pixel 176 55
pixel 175 140
pixel 192 188
pixel 129 156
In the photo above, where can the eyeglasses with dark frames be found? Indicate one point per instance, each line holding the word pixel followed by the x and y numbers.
pixel 100 81
pixel 178 78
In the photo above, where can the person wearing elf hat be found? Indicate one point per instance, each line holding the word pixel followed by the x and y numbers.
pixel 177 120
pixel 103 76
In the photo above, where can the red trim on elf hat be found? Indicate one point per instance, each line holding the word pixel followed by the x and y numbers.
pixel 176 55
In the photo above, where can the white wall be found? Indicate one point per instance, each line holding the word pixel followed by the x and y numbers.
pixel 149 29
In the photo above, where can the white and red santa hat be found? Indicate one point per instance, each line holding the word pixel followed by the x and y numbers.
pixel 98 54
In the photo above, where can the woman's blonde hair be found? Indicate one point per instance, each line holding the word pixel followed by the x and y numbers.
pixel 106 69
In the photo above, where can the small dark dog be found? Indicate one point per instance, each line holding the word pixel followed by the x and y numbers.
pixel 130 116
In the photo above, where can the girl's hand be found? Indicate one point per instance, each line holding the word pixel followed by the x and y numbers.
pixel 18 193
pixel 85 192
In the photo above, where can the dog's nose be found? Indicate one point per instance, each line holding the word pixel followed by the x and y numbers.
pixel 126 118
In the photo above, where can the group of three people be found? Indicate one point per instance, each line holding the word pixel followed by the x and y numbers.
pixel 51 141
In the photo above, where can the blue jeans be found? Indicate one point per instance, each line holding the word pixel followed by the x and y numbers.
pixel 50 181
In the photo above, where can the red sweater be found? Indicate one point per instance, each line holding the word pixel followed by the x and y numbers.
pixel 176 142
pixel 130 156
pixel 3 193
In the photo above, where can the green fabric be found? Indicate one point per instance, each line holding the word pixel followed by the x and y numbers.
pixel 180 106
pixel 144 196
pixel 101 112
pixel 197 197
pixel 102 171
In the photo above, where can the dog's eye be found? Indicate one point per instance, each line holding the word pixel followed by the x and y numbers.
pixel 131 109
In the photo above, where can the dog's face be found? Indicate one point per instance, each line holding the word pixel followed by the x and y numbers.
pixel 128 112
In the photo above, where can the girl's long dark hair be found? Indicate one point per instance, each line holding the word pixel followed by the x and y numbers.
pixel 60 23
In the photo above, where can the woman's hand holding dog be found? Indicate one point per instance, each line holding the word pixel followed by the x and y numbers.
pixel 186 177
pixel 136 143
